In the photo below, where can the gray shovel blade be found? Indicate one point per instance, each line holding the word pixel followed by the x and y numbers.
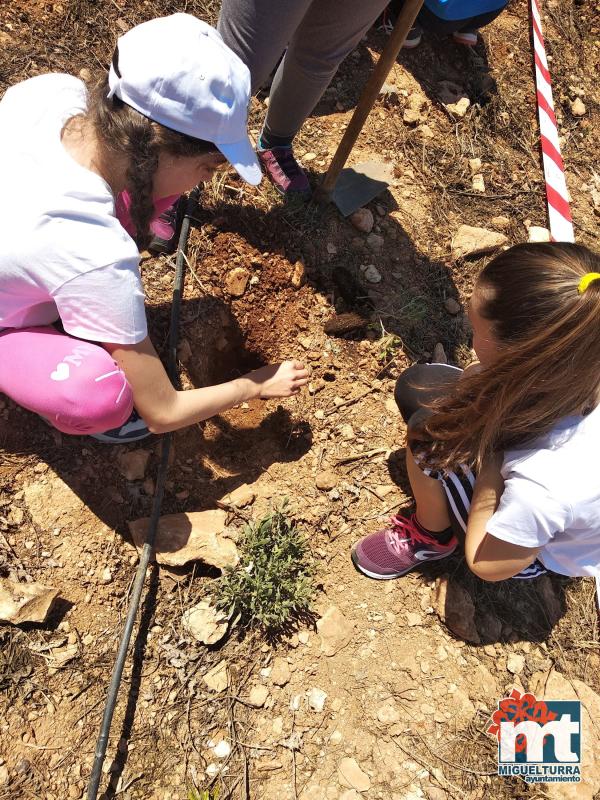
pixel 359 184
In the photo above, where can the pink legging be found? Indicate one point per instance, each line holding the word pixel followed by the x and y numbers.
pixel 74 384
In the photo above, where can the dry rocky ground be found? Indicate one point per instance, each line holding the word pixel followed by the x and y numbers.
pixel 387 692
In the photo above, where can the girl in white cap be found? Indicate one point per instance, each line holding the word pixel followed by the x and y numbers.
pixel 74 345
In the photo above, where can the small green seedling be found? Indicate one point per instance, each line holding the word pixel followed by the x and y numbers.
pixel 273 583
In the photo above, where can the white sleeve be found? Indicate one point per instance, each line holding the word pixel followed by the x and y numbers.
pixel 105 304
pixel 527 514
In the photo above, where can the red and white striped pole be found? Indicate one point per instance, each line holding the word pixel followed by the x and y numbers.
pixel 559 212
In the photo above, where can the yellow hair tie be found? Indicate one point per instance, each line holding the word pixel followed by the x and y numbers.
pixel 586 280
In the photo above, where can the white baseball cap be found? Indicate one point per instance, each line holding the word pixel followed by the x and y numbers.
pixel 179 72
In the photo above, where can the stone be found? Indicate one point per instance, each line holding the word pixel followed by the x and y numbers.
pixel 326 480
pixel 309 157
pixel 376 242
pixel 515 663
pixel 217 678
pixel 298 277
pixel 372 274
pixel 536 233
pixel 388 714
pixel 334 630
pixel 132 464
pixel 241 497
pixel 185 537
pixel 280 674
pixel 25 602
pixel 439 354
pixel 59 656
pixel 363 220
pixel 106 575
pixel 389 92
pixel 470 241
pixel 222 749
pixel 350 794
pixel 578 108
pixel 237 281
pixel 559 688
pixel 54 504
pixel 452 305
pixel 455 608
pixel 460 108
pixel 500 222
pixel 351 776
pixel 316 699
pixel 415 110
pixel 206 623
pixel 478 183
pixel 347 432
pixel 258 695
pixel 413 619
pixel 475 166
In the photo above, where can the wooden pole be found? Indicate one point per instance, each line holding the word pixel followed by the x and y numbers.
pixel 369 94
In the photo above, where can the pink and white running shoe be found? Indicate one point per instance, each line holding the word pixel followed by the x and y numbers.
pixel 396 550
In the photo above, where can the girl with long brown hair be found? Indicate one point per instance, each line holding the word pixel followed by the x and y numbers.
pixel 505 454
pixel 74 344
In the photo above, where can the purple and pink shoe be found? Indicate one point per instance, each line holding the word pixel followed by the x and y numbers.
pixel 396 550
pixel 284 172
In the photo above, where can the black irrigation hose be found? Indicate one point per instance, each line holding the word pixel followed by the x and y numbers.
pixel 138 585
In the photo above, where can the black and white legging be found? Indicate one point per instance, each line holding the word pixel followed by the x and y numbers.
pixel 418 386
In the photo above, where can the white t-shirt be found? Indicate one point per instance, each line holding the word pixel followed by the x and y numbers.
pixel 551 497
pixel 63 253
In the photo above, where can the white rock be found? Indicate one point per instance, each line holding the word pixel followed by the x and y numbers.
pixel 475 166
pixel 388 714
pixel 106 576
pixel 334 630
pixel 578 108
pixel 372 274
pixel 460 108
pixel 478 183
pixel 222 749
pixel 316 699
pixel 304 637
pixel 25 602
pixel 280 674
pixel 205 623
pixel 469 241
pixel 217 678
pixel 515 663
pixel 258 695
pixel 536 233
pixel 351 775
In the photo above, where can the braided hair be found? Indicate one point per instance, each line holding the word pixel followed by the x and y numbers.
pixel 123 131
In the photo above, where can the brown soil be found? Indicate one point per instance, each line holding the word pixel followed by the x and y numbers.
pixel 64 504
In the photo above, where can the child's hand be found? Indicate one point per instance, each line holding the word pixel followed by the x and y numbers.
pixel 280 380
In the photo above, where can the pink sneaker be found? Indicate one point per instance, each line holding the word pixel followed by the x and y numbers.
pixel 284 171
pixel 396 550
